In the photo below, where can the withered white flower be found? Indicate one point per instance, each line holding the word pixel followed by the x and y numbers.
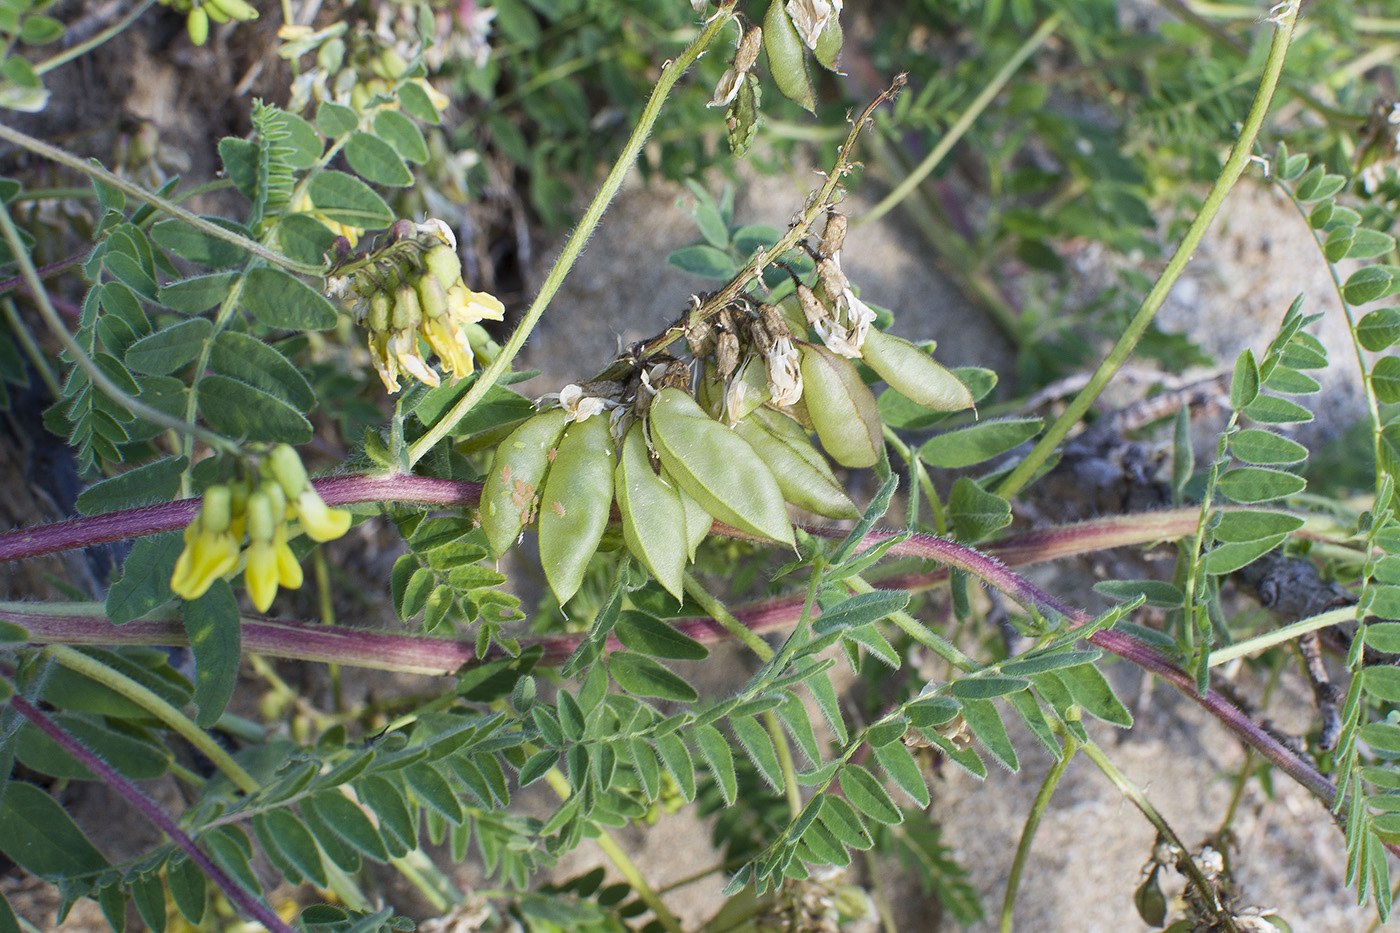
pixel 845 332
pixel 580 406
pixel 811 16
pixel 784 372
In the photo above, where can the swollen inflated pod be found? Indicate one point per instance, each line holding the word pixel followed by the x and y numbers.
pixel 841 407
pixel 510 493
pixel 575 503
pixel 913 373
pixel 717 467
pixel 653 515
pixel 801 471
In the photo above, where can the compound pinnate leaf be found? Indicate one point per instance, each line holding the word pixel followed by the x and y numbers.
pixel 650 636
pixel 1259 484
pixel 403 134
pixel 38 835
pixel 279 299
pixel 896 761
pixel 344 199
pixel 640 676
pixel 167 350
pixel 985 722
pixel 211 622
pixel 720 758
pixel 1091 690
pixel 196 246
pixel 187 888
pixel 1255 445
pixel 1252 525
pixel 844 822
pixel 759 745
pixel 145 579
pixel 348 821
pixel 861 609
pixel 868 795
pixel 377 161
pixel 237 409
pixel 1379 330
pixel 250 360
pixel 1371 284
pixel 972 445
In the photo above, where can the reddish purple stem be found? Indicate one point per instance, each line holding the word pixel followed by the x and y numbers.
pixel 250 905
pixel 441 656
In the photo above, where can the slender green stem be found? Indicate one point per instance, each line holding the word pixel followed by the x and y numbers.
pixel 82 48
pixel 963 123
pixel 1279 636
pixel 625 865
pixel 131 189
pixel 118 682
pixel 717 610
pixel 1186 863
pixel 100 380
pixel 784 750
pixel 37 357
pixel 1234 167
pixel 1023 848
pixel 488 378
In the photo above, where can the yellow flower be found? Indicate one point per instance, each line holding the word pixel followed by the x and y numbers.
pixel 447 343
pixel 210 551
pixel 271 562
pixel 318 520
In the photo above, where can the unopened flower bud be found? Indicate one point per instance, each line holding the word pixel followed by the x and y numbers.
pixel 407 311
pixel 285 466
pixel 443 265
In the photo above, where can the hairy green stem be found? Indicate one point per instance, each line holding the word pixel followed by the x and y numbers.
pixel 82 48
pixel 164 205
pixel 624 865
pixel 717 610
pixel 113 779
pixel 1243 649
pixel 964 122
pixel 1023 848
pixel 99 379
pixel 784 750
pixel 1186 863
pixel 1234 167
pixel 178 722
pixel 488 378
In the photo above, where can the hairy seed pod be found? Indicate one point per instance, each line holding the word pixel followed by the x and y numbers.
pixel 828 47
pixel 833 234
pixel 432 297
pixel 807 483
pixel 653 519
pixel 576 503
pixel 841 407
pixel 442 263
pixel 233 9
pixel 510 494
pixel 913 373
pixel 717 467
pixel 787 57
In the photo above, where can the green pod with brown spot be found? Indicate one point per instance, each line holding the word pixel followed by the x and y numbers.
pixel 576 504
pixel 653 518
pixel 787 57
pixel 806 481
pixel 842 407
pixel 717 467
pixel 510 493
pixel 912 373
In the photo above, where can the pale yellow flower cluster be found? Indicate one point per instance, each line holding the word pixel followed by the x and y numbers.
pixel 261 513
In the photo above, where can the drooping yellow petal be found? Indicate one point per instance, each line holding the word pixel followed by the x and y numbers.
pixel 206 559
pixel 442 337
pixel 318 520
pixel 260 574
pixel 288 569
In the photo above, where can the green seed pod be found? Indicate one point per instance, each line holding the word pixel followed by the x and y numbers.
pixel 511 491
pixel 795 435
pixel 197 24
pixel 576 503
pixel 791 310
pixel 747 390
pixel 442 264
pixel 803 483
pixel 432 297
pixel 698 522
pixel 841 407
pixel 717 467
pixel 787 57
pixel 913 373
pixel 828 49
pixel 653 519
pixel 407 311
